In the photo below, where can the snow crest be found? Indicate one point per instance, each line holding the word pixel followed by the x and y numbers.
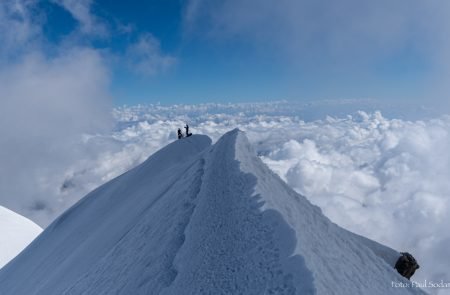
pixel 200 219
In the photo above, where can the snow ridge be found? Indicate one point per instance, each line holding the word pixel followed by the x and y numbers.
pixel 242 256
pixel 199 219
pixel 146 280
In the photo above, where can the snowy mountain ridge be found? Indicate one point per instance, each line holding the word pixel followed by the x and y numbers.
pixel 200 219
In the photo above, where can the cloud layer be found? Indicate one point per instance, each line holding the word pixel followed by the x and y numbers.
pixel 386 179
pixel 383 178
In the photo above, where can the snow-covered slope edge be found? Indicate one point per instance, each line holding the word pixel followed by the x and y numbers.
pixel 81 237
pixel 16 232
pixel 199 219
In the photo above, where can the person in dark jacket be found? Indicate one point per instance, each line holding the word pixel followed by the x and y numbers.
pixel 180 135
pixel 187 130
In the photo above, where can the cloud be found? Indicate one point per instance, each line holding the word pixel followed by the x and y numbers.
pixel 349 38
pixel 46 103
pixel 81 11
pixel 18 29
pixel 385 179
pixel 53 98
pixel 336 27
pixel 343 27
pixel 145 57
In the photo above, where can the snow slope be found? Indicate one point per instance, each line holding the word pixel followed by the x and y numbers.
pixel 200 219
pixel 16 232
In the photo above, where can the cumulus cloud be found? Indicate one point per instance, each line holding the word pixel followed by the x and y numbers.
pixel 385 179
pixel 46 104
pixel 51 96
pixel 145 57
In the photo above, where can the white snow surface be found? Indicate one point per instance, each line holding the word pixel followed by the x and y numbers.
pixel 200 219
pixel 16 232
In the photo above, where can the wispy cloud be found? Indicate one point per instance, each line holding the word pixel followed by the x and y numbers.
pixel 81 10
pixel 336 28
pixel 348 37
pixel 19 27
pixel 145 57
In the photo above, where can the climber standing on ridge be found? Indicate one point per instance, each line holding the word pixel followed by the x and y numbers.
pixel 180 135
pixel 187 130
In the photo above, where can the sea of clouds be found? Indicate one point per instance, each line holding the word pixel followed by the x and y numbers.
pixel 380 177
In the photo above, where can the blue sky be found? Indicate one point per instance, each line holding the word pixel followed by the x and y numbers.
pixel 191 51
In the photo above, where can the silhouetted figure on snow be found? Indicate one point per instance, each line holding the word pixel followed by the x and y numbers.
pixel 180 135
pixel 187 130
